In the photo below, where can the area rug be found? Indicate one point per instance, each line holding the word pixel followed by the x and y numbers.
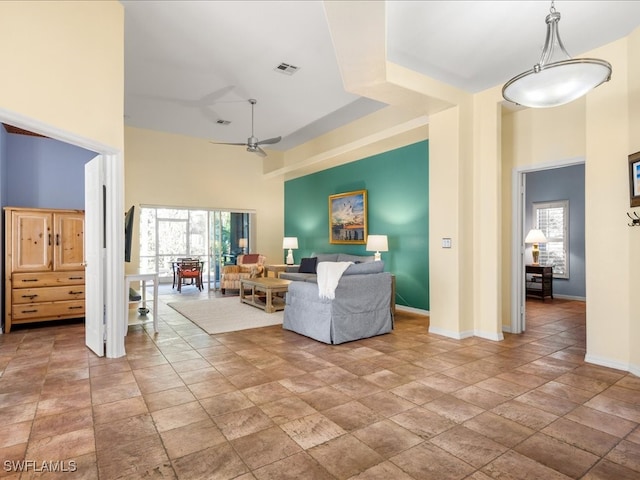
pixel 221 315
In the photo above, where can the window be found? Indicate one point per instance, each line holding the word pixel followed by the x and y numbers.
pixel 553 219
pixel 168 233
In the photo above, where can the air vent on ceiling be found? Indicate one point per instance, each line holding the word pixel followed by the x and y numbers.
pixel 223 122
pixel 287 69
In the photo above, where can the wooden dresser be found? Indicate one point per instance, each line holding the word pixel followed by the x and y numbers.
pixel 44 265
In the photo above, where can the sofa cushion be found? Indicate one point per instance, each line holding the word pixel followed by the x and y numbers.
pixel 346 257
pixel 296 276
pixel 250 258
pixel 308 265
pixel 326 257
pixel 364 268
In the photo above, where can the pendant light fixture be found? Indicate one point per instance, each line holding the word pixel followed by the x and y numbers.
pixel 557 78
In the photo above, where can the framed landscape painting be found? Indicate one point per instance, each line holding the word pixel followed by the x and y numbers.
pixel 348 217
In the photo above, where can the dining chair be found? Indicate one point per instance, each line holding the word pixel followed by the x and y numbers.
pixel 189 270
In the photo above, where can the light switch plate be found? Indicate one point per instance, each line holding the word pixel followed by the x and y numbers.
pixel 446 243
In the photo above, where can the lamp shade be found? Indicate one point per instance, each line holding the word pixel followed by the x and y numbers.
pixel 290 242
pixel 377 243
pixel 535 236
pixel 242 243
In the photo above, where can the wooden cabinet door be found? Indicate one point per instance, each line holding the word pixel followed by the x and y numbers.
pixel 31 241
pixel 68 241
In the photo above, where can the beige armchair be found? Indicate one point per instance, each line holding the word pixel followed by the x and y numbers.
pixel 247 266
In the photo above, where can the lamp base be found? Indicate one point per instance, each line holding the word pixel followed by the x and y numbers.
pixel 376 257
pixel 290 257
pixel 535 253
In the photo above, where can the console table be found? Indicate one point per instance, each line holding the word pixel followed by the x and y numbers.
pixel 133 318
pixel 538 281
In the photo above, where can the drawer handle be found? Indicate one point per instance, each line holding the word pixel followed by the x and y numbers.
pixel 75 293
pixel 75 278
pixel 29 280
pixel 29 311
pixel 75 308
pixel 57 239
pixel 29 296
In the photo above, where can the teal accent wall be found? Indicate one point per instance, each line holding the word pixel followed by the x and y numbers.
pixel 397 184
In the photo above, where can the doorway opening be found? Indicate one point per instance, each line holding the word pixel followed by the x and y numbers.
pixel 550 185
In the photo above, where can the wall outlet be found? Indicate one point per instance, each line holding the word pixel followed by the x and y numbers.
pixel 446 243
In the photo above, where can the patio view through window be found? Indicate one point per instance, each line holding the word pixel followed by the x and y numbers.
pixel 212 236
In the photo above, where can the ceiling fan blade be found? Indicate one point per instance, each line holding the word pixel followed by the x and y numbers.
pixel 212 97
pixel 227 143
pixel 259 151
pixel 269 141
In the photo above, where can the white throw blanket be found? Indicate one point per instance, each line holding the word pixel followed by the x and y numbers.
pixel 329 274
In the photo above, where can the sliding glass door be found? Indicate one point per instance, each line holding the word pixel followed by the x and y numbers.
pixel 212 236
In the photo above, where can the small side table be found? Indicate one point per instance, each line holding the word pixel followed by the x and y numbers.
pixel 277 268
pixel 539 281
pixel 142 277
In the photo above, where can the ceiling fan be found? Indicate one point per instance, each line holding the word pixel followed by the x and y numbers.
pixel 252 143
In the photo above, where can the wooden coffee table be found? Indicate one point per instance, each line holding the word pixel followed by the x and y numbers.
pixel 268 286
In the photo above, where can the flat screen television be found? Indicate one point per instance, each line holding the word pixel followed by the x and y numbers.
pixel 128 233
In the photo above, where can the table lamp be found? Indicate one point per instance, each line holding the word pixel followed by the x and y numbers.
pixel 377 243
pixel 535 237
pixel 290 243
pixel 242 243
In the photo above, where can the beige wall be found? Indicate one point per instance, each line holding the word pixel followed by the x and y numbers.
pixel 175 170
pixel 596 128
pixel 633 236
pixel 63 65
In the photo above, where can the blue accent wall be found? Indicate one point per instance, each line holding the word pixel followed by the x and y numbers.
pixel 44 173
pixel 3 166
pixel 397 184
pixel 566 183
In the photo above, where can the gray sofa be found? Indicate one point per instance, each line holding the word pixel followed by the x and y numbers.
pixel 361 307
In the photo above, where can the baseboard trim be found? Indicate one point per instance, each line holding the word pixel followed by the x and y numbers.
pixel 569 297
pixel 608 362
pixel 418 311
pixel 450 333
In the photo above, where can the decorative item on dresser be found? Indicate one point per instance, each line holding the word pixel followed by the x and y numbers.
pixel 44 265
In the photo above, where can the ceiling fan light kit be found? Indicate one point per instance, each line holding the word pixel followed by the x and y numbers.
pixel 557 78
pixel 253 144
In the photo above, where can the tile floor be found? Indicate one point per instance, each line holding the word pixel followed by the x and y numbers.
pixel 270 404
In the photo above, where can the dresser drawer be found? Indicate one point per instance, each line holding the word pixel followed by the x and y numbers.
pixel 47 294
pixel 70 309
pixel 47 279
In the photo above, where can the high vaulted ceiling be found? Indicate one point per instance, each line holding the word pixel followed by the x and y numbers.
pixel 190 64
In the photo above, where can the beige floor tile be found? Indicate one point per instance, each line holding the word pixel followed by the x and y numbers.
pixel 468 445
pixel 431 462
pixel 557 455
pixel 345 456
pixel 191 438
pixel 183 404
pixel 265 447
pixel 387 438
pixel 312 430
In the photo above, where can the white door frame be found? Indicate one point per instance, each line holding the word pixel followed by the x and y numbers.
pixel 114 206
pixel 518 194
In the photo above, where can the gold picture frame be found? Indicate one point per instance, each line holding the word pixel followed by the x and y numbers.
pixel 634 179
pixel 348 218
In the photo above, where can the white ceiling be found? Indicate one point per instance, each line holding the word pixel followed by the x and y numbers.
pixel 190 63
